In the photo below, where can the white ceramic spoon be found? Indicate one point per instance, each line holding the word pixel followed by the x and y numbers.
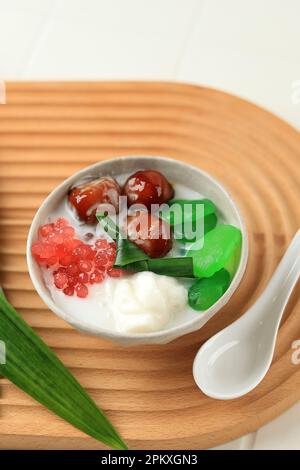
pixel 235 360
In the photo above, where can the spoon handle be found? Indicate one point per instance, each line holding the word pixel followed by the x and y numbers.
pixel 284 278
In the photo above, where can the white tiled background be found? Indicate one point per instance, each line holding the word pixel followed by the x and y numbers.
pixel 247 47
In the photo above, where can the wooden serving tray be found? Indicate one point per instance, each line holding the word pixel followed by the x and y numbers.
pixel 50 130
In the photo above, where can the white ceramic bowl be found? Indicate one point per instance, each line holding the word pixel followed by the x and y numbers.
pixel 175 171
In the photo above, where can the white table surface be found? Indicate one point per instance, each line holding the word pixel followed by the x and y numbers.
pixel 248 47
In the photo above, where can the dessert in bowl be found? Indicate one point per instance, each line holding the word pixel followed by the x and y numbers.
pixel 139 250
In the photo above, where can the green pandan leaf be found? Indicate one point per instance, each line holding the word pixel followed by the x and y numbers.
pixel 221 250
pixel 206 291
pixel 175 267
pixel 127 253
pixel 36 370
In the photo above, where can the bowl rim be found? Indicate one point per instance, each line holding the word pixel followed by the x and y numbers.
pixel 173 332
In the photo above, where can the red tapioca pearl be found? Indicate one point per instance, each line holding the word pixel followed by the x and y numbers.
pixel 76 253
pixel 61 269
pixel 81 291
pixel 83 278
pixel 60 280
pixel 109 264
pixel 90 254
pixel 55 238
pixel 101 259
pixel 72 281
pixel 111 254
pixel 101 244
pixel 36 249
pixel 73 269
pixel 111 249
pixel 76 259
pixel 52 261
pixel 85 266
pixel 83 252
pixel 67 260
pixel 68 290
pixel 67 231
pixel 61 251
pixel 60 223
pixel 41 261
pixel 97 276
pixel 114 272
pixel 45 230
pixel 72 243
pixel 47 250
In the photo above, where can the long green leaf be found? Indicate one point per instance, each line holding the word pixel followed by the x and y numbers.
pixel 175 267
pixel 34 368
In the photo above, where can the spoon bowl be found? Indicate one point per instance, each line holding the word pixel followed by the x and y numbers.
pixel 235 360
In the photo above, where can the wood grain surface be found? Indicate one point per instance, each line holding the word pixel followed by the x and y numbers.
pixel 50 130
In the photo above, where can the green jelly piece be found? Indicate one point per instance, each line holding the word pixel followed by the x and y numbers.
pixel 221 249
pixel 187 210
pixel 205 292
pixel 180 234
